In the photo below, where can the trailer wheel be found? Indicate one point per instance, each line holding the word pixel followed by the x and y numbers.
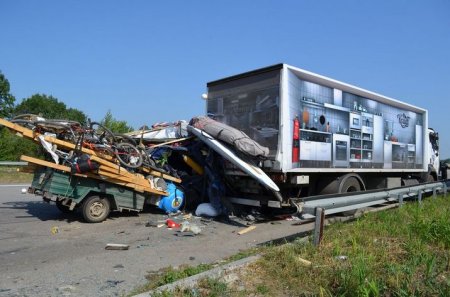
pixel 431 178
pixel 96 209
pixel 351 184
pixel 63 208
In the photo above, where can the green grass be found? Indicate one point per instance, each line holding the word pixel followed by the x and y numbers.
pixel 10 175
pixel 398 252
pixel 401 252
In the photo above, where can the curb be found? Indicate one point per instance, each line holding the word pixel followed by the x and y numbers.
pixel 191 281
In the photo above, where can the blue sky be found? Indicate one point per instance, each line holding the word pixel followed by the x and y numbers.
pixel 149 61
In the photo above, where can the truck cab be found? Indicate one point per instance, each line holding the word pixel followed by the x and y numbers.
pixel 434 172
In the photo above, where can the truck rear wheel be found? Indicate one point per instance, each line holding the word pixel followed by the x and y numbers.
pixel 96 209
pixel 351 184
pixel 430 178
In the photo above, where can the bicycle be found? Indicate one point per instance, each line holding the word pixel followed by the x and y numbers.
pixel 95 137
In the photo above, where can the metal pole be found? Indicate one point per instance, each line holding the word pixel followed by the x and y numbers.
pixel 400 200
pixel 445 189
pixel 419 196
pixel 318 227
pixel 434 193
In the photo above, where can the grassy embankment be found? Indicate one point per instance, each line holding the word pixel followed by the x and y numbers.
pixel 399 252
pixel 10 175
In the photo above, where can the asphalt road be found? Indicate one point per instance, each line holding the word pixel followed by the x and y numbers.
pixel 74 262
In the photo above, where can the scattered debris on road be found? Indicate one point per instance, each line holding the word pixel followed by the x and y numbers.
pixel 117 246
pixel 246 230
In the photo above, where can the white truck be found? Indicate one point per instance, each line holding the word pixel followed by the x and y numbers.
pixel 324 136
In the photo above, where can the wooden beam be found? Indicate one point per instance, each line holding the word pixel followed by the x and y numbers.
pixel 172 141
pixel 130 183
pixel 44 163
pixel 160 174
pixel 22 130
pixel 96 156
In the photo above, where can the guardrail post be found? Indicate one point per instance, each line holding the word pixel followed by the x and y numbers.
pixel 445 189
pixel 400 200
pixel 434 193
pixel 318 227
pixel 419 196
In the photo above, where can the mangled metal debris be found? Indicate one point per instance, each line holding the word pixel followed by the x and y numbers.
pixel 172 166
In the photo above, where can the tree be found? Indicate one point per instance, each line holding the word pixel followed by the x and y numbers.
pixel 12 147
pixel 114 125
pixel 6 99
pixel 50 108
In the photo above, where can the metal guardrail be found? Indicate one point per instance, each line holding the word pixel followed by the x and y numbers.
pixel 13 163
pixel 318 208
pixel 342 202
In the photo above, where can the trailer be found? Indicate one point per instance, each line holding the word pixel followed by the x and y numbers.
pixel 96 191
pixel 97 198
pixel 324 136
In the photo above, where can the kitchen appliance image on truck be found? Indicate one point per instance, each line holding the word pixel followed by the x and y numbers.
pixel 350 139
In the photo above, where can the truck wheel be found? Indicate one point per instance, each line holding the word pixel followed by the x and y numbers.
pixel 62 208
pixel 95 209
pixel 430 178
pixel 351 184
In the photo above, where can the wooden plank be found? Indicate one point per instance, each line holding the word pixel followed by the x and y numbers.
pixel 100 158
pixel 246 230
pixel 22 130
pixel 117 182
pixel 142 182
pixel 160 174
pixel 94 155
pixel 44 163
pixel 172 141
pixel 124 181
pixel 116 171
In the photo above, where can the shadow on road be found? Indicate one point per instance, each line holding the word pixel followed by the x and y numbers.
pixel 41 210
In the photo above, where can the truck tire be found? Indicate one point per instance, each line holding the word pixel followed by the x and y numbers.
pixel 351 184
pixel 95 209
pixel 430 178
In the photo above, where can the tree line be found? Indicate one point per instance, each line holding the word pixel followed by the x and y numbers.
pixel 47 106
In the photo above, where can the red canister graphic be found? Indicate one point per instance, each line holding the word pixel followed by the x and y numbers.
pixel 296 141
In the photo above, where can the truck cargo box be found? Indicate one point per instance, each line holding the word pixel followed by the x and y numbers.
pixel 342 128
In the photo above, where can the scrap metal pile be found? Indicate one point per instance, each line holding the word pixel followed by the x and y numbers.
pixel 91 151
pixel 147 160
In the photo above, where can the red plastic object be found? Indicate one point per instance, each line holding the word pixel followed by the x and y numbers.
pixel 296 141
pixel 172 224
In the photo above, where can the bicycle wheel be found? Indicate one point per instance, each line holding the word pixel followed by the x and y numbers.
pixel 128 155
pixel 101 133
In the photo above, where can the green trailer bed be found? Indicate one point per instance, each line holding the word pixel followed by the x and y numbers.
pixel 96 198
